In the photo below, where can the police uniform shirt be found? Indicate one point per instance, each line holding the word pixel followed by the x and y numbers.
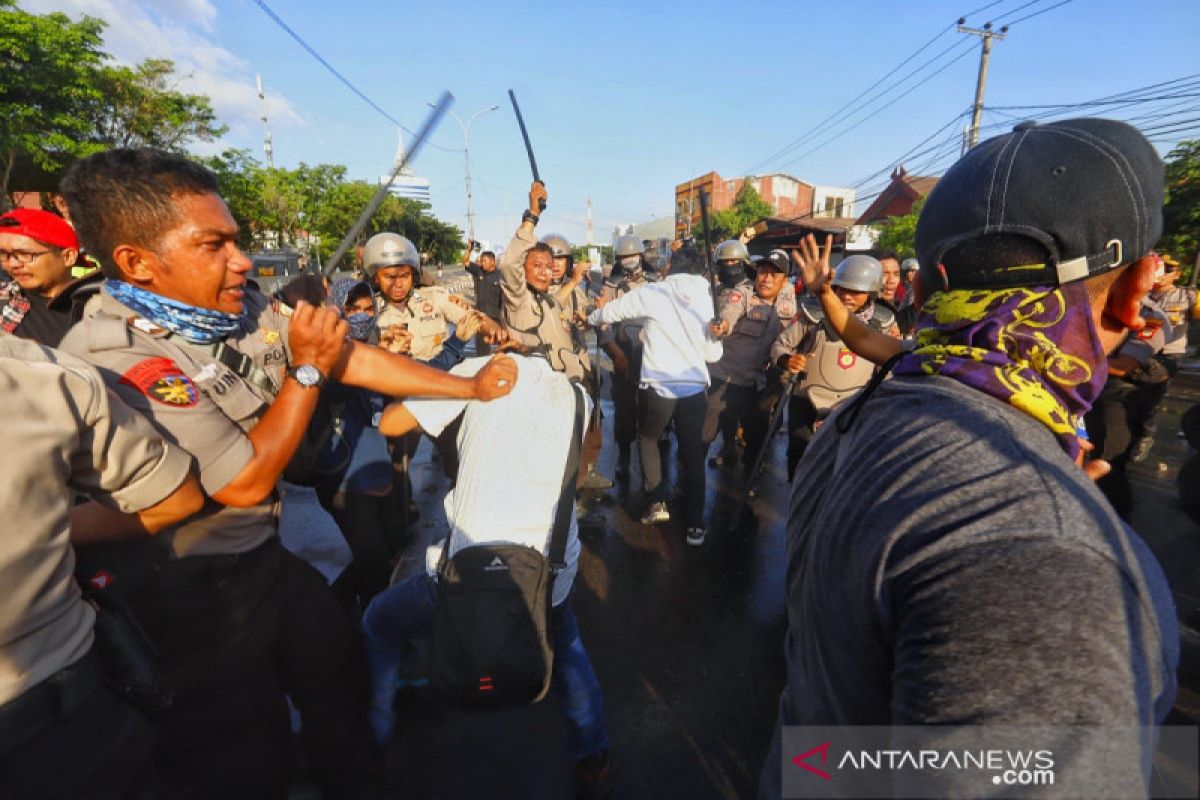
pixel 426 313
pixel 194 400
pixel 754 324
pixel 535 319
pixel 1179 304
pixel 1150 340
pixel 67 434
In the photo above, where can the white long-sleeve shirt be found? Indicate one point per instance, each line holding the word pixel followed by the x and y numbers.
pixel 676 342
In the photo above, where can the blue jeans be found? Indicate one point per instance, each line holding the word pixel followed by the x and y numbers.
pixel 405 612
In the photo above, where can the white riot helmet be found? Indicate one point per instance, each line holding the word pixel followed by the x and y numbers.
pixel 629 245
pixel 558 244
pixel 859 274
pixel 391 250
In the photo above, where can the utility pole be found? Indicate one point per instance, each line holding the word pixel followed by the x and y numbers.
pixel 589 225
pixel 262 102
pixel 986 34
pixel 466 132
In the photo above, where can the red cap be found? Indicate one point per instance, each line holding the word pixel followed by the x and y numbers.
pixel 47 228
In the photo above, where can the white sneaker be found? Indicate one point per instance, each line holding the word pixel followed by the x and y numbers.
pixel 656 513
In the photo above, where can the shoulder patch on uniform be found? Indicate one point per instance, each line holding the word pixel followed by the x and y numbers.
pixel 1147 333
pixel 146 326
pixel 163 381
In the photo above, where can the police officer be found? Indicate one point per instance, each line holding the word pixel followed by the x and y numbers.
pixel 828 371
pixel 63 731
pixel 565 282
pixel 531 312
pixel 1179 304
pixel 238 621
pixel 415 320
pixel 733 263
pixel 622 341
pixel 751 320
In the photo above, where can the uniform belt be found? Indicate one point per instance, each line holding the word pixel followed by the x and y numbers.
pixel 204 568
pixel 54 698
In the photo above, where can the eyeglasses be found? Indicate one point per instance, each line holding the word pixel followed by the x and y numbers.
pixel 22 256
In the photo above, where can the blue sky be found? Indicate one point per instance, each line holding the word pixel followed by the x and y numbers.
pixel 623 100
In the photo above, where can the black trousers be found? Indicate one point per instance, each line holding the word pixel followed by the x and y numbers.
pixel 729 406
pixel 100 749
pixel 802 420
pixel 1116 420
pixel 364 520
pixel 624 392
pixel 654 412
pixel 235 634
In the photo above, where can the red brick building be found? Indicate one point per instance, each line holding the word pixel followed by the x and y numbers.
pixel 898 198
pixel 789 197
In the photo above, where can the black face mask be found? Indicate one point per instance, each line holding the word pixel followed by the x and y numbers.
pixel 731 275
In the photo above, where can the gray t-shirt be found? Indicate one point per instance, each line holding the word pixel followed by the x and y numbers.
pixel 956 567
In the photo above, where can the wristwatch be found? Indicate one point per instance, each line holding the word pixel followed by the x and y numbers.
pixel 307 376
pixel 529 216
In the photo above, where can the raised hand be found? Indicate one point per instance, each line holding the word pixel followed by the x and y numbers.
pixel 813 262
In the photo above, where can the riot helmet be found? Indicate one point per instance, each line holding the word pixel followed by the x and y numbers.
pixel 559 248
pixel 391 250
pixel 733 262
pixel 859 273
pixel 908 266
pixel 630 255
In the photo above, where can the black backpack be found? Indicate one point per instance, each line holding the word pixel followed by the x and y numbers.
pixel 491 647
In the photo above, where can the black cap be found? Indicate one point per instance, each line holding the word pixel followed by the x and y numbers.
pixel 1089 190
pixel 778 260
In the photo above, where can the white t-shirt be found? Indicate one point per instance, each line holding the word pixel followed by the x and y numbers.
pixel 512 452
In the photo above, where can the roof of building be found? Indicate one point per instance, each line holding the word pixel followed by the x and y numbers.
pixel 904 185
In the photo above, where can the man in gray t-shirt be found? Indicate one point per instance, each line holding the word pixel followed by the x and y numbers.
pixel 949 562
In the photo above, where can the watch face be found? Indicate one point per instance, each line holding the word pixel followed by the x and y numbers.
pixel 308 375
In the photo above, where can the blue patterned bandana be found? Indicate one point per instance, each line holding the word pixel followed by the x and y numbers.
pixel 196 325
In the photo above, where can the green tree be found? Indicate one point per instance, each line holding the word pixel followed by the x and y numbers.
pixel 899 233
pixel 48 67
pixel 1181 215
pixel 238 178
pixel 141 107
pixel 748 208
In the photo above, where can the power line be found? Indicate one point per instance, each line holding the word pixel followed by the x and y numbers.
pixel 1039 13
pixel 1012 11
pixel 321 59
pixel 888 104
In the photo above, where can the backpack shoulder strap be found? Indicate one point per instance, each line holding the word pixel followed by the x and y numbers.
pixel 566 498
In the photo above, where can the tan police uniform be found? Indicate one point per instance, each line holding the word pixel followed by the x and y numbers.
pixel 197 399
pixel 1180 304
pixel 69 435
pixel 426 313
pixel 234 616
pixel 535 319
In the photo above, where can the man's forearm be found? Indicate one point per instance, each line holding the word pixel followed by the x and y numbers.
pixel 398 376
pixel 275 438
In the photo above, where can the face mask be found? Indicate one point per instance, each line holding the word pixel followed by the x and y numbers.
pixel 361 324
pixel 731 275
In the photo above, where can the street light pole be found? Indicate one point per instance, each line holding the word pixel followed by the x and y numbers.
pixel 466 131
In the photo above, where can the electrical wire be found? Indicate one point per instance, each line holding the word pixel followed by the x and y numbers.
pixel 346 81
pixel 1038 13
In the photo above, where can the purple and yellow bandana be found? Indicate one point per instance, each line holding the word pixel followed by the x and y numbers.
pixel 1034 348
